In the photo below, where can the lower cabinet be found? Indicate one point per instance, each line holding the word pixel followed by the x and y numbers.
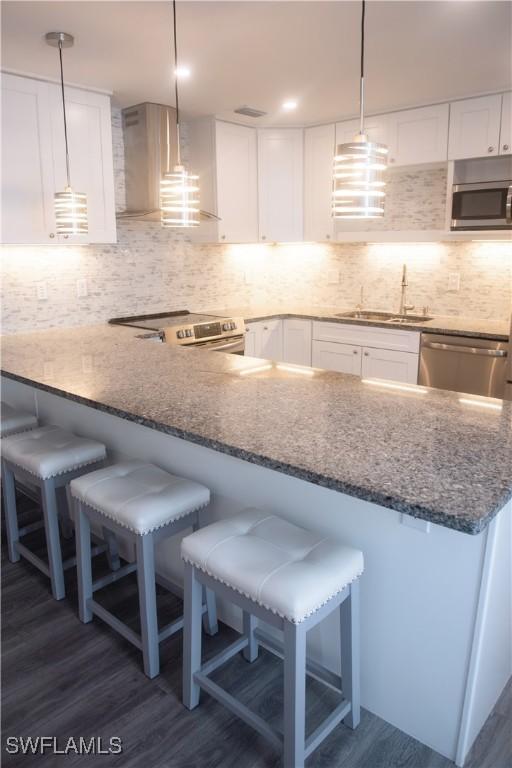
pixel 297 341
pixel 343 358
pixel 376 353
pixel 265 339
pixel 388 364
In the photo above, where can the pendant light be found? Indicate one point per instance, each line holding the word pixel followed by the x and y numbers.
pixel 359 165
pixel 70 206
pixel 179 189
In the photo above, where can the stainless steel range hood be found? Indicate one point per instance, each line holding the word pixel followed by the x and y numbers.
pixel 150 149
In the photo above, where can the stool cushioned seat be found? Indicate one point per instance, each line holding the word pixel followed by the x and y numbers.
pixel 50 451
pixel 13 420
pixel 139 496
pixel 286 569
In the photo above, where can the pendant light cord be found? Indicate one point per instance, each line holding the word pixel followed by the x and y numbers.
pixel 361 81
pixel 176 82
pixel 64 113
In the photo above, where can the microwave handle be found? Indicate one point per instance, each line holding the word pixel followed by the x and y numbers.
pixel 509 205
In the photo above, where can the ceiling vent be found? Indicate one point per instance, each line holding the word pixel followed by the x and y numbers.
pixel 249 112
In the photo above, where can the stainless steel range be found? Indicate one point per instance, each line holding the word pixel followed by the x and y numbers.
pixel 189 329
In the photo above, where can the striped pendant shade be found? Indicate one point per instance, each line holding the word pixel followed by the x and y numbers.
pixel 358 179
pixel 179 198
pixel 71 212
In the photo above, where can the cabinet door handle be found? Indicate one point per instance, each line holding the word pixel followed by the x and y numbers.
pixel 367 354
pixel 51 234
pixel 490 149
pixel 263 237
pixel 354 351
pixel 223 237
pixel 505 147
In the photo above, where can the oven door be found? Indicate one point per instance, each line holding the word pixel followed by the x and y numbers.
pixel 233 346
pixel 482 206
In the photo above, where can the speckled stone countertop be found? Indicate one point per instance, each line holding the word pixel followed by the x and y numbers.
pixel 451 325
pixel 426 454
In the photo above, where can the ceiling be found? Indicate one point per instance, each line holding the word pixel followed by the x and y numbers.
pixel 262 53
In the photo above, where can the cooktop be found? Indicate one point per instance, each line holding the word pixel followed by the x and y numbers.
pixel 161 320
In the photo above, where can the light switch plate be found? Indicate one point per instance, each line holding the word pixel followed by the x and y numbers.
pixel 454 281
pixel 42 292
pixel 81 288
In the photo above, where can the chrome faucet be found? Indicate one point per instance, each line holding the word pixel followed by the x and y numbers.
pixel 404 307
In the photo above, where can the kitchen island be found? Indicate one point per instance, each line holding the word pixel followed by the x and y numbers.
pixel 419 479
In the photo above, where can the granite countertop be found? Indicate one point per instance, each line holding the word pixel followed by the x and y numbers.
pixel 497 330
pixel 426 454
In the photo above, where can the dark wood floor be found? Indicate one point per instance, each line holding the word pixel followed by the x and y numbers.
pixel 65 679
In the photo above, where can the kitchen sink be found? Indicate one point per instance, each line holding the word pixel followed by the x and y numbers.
pixel 384 317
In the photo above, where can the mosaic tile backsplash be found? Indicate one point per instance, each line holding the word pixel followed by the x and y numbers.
pixel 153 270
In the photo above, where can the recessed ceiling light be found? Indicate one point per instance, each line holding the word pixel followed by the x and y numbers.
pixel 290 104
pixel 183 72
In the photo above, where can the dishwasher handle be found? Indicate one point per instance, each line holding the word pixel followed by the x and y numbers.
pixel 462 348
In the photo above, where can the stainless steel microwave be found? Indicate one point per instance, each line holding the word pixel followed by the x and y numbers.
pixel 485 205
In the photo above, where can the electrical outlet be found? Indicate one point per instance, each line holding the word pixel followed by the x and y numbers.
pixel 454 281
pixel 42 293
pixel 333 277
pixel 81 288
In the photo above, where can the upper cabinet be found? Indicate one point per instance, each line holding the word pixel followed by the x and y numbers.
pixel 318 167
pixel 418 135
pixel 376 128
pixel 280 184
pixel 506 125
pixel 475 127
pixel 33 160
pixel 412 136
pixel 225 157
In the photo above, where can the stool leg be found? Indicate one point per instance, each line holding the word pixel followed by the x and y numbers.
pixel 51 525
pixel 210 624
pixel 112 552
pixel 250 652
pixel 147 602
pixel 192 599
pixel 349 636
pixel 11 514
pixel 66 525
pixel 294 694
pixel 83 562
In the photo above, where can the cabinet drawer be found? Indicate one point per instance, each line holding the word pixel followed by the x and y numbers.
pixel 385 364
pixel 366 336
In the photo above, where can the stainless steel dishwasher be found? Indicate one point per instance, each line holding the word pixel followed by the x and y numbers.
pixel 463 364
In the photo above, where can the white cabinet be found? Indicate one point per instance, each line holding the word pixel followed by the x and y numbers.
pixel 376 128
pixel 342 358
pixel 474 127
pixel 225 157
pixel 297 341
pixel 265 339
pixel 418 135
pixel 389 364
pixel 506 125
pixel 319 145
pixel 379 353
pixel 280 184
pixel 33 160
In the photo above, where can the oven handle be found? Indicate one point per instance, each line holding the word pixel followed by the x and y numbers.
pixel 467 350
pixel 214 346
pixel 508 208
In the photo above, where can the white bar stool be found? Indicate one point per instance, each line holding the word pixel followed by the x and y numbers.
pixel 46 457
pixel 142 504
pixel 12 420
pixel 291 579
